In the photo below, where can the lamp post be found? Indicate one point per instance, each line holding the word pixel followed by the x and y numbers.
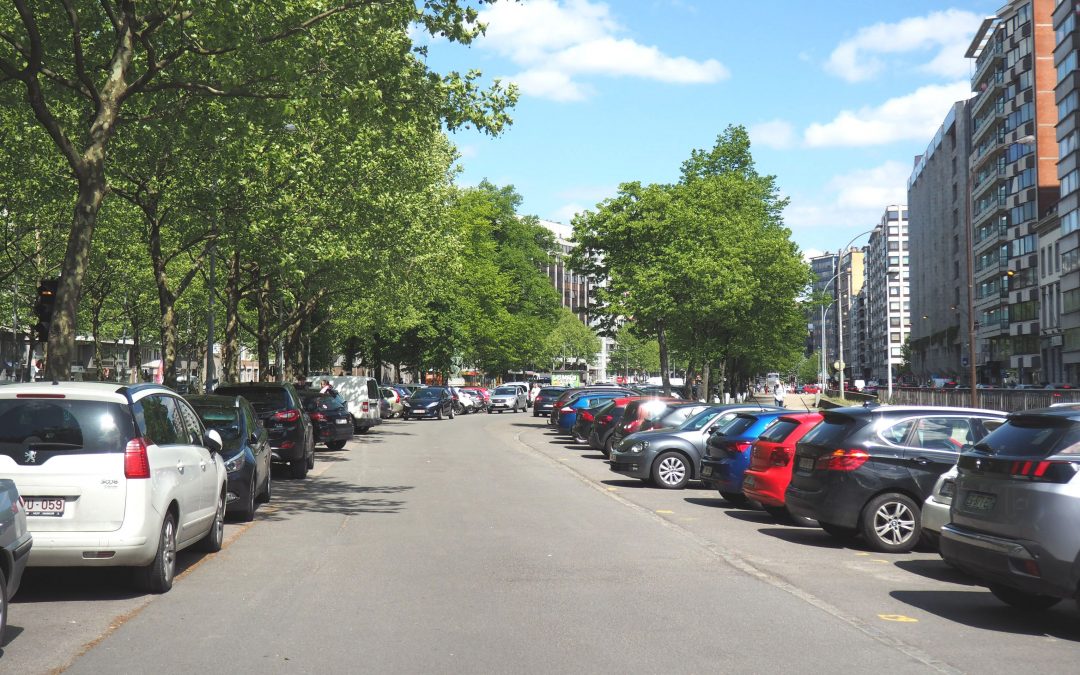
pixel 840 309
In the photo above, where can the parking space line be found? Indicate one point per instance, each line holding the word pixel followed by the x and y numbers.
pixel 898 618
pixel 664 511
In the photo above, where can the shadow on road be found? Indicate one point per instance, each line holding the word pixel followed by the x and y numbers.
pixel 716 503
pixel 980 609
pixel 936 570
pixel 593 457
pixel 327 495
pixel 799 535
pixel 632 483
pixel 760 517
pixel 10 633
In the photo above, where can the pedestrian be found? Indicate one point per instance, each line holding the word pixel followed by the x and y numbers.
pixel 326 388
pixel 778 394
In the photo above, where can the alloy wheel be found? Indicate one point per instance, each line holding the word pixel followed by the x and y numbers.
pixel 894 523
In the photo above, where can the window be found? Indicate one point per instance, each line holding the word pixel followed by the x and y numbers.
pixel 942 433
pixel 894 322
pixel 1067 144
pixel 1068 104
pixel 1067 65
pixel 1069 182
pixel 191 422
pixel 1070 222
pixel 894 338
pixel 1057 256
pixel 159 421
pixel 897 432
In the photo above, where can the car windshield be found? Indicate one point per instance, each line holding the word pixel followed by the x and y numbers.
pixel 700 420
pixel 1032 436
pixel 225 420
pixel 57 425
pixel 426 395
pixel 507 391
pixel 317 402
pixel 263 399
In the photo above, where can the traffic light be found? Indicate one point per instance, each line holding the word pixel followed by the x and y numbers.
pixel 43 308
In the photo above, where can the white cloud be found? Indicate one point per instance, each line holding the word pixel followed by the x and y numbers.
pixel 847 204
pixel 565 213
pixel 945 33
pixel 774 134
pixel 555 41
pixel 915 116
pixel 873 188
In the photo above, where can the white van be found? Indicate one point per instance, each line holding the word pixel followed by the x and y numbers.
pixel 361 395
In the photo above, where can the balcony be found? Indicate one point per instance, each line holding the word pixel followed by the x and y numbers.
pixel 990 56
pixel 994 86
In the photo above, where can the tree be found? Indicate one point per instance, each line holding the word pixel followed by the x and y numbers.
pixel 82 65
pixel 571 339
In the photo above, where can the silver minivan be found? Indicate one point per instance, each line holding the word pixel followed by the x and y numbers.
pixel 1015 509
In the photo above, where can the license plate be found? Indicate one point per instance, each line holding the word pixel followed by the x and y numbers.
pixel 341 421
pixel 748 481
pixel 806 464
pixel 979 501
pixel 44 506
pixel 706 471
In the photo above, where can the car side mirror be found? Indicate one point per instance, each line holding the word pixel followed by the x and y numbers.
pixel 212 440
pixel 712 430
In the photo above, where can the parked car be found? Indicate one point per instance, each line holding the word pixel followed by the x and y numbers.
pixel 936 508
pixel 15 544
pixel 1014 512
pixel 868 470
pixel 569 411
pixel 508 397
pixel 113 476
pixel 465 401
pixel 810 389
pixel 727 452
pixel 637 412
pixel 771 460
pixel 545 399
pixel 361 396
pixel 670 458
pixel 674 416
pixel 245 447
pixel 481 396
pixel 395 401
pixel 279 408
pixel 585 419
pixel 434 402
pixel 331 421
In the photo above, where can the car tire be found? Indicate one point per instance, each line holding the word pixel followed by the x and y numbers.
pixel 609 446
pixel 1021 600
pixel 3 605
pixel 268 490
pixel 213 540
pixel 839 532
pixel 671 471
pixel 490 411
pixel 298 468
pixel 157 577
pixel 736 498
pixel 452 414
pixel 363 430
pixel 335 445
pixel 891 523
pixel 438 413
pixel 311 457
pixel 247 514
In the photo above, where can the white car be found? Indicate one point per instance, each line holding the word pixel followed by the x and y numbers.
pixel 113 476
pixel 508 397
pixel 935 510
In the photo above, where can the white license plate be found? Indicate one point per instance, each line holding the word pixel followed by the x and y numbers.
pixel 342 421
pixel 706 471
pixel 44 506
pixel 806 464
pixel 980 501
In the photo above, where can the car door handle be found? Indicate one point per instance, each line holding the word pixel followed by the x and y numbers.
pixel 180 465
pixel 202 464
pixel 922 461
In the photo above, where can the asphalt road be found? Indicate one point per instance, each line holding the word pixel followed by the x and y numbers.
pixel 484 544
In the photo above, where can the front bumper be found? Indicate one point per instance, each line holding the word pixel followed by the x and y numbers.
pixel 1007 562
pixel 632 464
pixel 935 515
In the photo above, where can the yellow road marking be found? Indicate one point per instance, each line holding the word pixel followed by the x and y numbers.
pixel 664 511
pixel 612 489
pixel 899 618
pixel 862 553
pixel 879 560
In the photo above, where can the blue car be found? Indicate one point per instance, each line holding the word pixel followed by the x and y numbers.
pixel 567 419
pixel 727 454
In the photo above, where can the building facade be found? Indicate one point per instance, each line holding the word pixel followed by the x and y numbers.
pixel 939 242
pixel 849 284
pixel 1067 249
pixel 822 329
pixel 887 298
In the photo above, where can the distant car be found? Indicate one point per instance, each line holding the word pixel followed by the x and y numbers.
pixel 637 412
pixel 727 452
pixel 245 447
pixel 604 424
pixel 331 421
pixel 279 408
pixel 868 470
pixel 810 389
pixel 430 402
pixel 15 544
pixel 1014 511
pixel 545 399
pixel 508 397
pixel 568 413
pixel 481 396
pixel 113 476
pixel 394 401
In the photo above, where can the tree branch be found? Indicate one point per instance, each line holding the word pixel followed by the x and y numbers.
pixel 77 50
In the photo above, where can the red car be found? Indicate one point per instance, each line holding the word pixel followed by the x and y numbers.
pixel 771 462
pixel 481 394
pixel 810 389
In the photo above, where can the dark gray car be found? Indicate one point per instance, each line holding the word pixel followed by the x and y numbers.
pixel 672 457
pixel 1015 509
pixel 15 543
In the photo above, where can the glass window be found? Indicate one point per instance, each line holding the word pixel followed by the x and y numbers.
pixel 192 423
pixel 56 425
pixel 896 433
pixel 942 433
pixel 159 421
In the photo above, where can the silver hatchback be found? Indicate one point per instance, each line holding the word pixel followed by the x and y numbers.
pixel 1015 509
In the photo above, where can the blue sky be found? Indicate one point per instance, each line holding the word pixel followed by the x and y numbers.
pixel 838 95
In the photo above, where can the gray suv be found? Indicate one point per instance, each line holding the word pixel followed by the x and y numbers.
pixel 1014 510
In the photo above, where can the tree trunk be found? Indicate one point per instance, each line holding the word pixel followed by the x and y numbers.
pixel 293 368
pixel 720 377
pixel 135 355
pixel 688 382
pixel 263 338
pixel 661 339
pixel 230 348
pixel 706 385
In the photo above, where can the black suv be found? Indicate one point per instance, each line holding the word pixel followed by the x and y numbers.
pixel 281 412
pixel 869 470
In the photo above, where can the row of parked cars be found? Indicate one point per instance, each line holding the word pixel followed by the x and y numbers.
pixel 95 474
pixel 415 401
pixel 997 494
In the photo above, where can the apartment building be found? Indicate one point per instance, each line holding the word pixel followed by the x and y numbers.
pixel 887 298
pixel 823 332
pixel 939 245
pixel 1013 182
pixel 849 284
pixel 1066 250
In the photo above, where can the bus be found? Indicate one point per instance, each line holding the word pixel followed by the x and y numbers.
pixel 771 380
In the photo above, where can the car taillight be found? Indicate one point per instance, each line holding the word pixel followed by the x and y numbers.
pixel 780 456
pixel 586 416
pixel 317 417
pixel 606 419
pixel 136 461
pixel 740 446
pixel 844 460
pixel 1044 472
pixel 632 426
pixel 567 410
pixel 291 415
pixel 364 406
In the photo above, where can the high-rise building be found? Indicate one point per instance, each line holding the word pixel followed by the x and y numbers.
pixel 939 242
pixel 849 284
pixel 1013 181
pixel 823 334
pixel 1066 251
pixel 887 302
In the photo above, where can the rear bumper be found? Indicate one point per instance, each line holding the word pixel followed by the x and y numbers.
pixel 824 506
pixel 765 488
pixel 20 555
pixel 1007 562
pixel 335 432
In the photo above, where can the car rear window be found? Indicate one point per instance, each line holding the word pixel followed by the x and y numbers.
pixel 831 431
pixel 779 430
pixel 226 421
pixel 64 425
pixel 738 425
pixel 321 402
pixel 552 391
pixel 263 399
pixel 1031 436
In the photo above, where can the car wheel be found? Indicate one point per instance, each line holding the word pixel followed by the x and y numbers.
pixel 670 471
pixel 335 445
pixel 3 605
pixel 438 413
pixel 247 514
pixel 363 430
pixel 609 445
pixel 157 577
pixel 490 411
pixel 452 413
pixel 298 468
pixel 736 498
pixel 839 531
pixel 311 457
pixel 268 489
pixel 211 543
pixel 891 523
pixel 1021 600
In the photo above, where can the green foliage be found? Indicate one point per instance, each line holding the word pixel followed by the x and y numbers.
pixel 807 368
pixel 632 354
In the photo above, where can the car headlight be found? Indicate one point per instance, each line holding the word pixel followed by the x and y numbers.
pixel 236 462
pixel 639 447
pixel 432 404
